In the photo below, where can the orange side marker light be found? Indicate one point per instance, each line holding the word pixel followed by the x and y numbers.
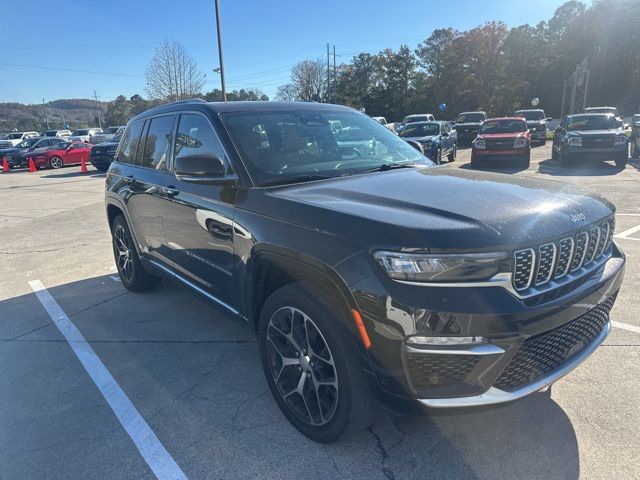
pixel 363 331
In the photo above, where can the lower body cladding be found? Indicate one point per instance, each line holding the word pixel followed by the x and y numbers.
pixel 447 347
pixel 101 161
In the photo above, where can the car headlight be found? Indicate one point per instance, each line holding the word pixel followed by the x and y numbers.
pixel 575 141
pixel 480 143
pixel 520 143
pixel 621 139
pixel 440 267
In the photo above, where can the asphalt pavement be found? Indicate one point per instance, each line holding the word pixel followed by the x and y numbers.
pixel 191 374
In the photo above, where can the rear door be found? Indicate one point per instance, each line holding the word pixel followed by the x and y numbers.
pixel 150 172
pixel 199 218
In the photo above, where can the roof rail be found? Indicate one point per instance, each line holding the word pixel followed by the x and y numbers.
pixel 188 100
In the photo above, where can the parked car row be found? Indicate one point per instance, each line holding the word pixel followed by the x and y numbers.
pixel 86 135
pixel 55 152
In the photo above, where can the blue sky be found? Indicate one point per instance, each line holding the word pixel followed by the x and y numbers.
pixel 68 49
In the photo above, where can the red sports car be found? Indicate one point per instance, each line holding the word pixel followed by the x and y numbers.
pixel 502 139
pixel 57 157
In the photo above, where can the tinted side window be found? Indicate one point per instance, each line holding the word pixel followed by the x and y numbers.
pixel 158 139
pixel 129 143
pixel 196 137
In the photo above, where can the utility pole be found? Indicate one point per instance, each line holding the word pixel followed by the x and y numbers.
pixel 328 74
pixel 334 63
pixel 224 90
pixel 95 95
pixel 46 117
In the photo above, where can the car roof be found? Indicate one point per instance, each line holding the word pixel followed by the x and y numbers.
pixel 473 111
pixel 530 110
pixel 591 108
pixel 578 115
pixel 520 119
pixel 245 106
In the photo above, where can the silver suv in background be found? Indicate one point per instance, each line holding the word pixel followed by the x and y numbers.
pixel 84 134
pixel 107 135
pixel 536 123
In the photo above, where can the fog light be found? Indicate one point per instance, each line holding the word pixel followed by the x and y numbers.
pixel 446 341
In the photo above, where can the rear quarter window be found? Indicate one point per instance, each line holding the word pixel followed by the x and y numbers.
pixel 129 144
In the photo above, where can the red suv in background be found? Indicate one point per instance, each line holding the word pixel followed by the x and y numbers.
pixel 504 138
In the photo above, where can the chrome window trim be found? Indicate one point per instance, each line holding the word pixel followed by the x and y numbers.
pixel 495 395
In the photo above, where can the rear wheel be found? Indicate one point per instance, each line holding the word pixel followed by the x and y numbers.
pixel 56 162
pixel 621 161
pixel 132 274
pixel 565 161
pixel 311 364
pixel 526 161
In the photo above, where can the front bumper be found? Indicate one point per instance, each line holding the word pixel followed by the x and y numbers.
pixel 596 153
pixel 484 155
pixel 483 373
pixel 539 135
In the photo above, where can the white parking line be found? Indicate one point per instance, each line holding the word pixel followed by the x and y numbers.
pixel 626 326
pixel 147 443
pixel 628 232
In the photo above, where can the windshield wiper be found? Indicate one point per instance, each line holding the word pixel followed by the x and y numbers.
pixel 386 166
pixel 298 179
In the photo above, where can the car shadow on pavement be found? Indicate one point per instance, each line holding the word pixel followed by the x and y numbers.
pixel 194 374
pixel 579 168
pixel 91 174
pixel 496 168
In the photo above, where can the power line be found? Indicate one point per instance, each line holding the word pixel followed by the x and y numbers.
pixel 72 70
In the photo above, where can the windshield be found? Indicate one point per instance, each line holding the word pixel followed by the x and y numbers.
pixel 531 114
pixel 15 136
pixel 80 132
pixel 470 118
pixel 280 145
pixel 417 118
pixel 50 133
pixel 503 126
pixel 421 130
pixel 111 130
pixel 28 143
pixel 592 122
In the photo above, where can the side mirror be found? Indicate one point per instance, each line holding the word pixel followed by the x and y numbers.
pixel 200 168
pixel 70 147
pixel 444 134
pixel 549 119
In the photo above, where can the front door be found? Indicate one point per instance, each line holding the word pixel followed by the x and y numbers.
pixel 199 218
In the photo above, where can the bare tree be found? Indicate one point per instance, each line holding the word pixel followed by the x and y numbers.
pixel 172 74
pixel 308 82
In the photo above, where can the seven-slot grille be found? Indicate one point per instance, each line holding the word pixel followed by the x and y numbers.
pixel 553 260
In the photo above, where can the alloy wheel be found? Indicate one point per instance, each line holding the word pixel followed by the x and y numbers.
pixel 56 162
pixel 123 252
pixel 302 366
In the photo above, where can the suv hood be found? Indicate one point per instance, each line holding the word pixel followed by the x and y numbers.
pixel 420 139
pixel 439 208
pixel 501 136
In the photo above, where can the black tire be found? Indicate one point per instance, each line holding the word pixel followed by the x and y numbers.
pixel 554 153
pixel 621 162
pixel 452 154
pixel 564 159
pixel 56 162
pixel 439 157
pixel 100 167
pixel 526 161
pixel 348 403
pixel 133 275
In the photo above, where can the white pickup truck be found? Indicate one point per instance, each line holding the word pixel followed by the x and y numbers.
pixel 14 138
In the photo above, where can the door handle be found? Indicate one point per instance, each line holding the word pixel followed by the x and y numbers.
pixel 170 191
pixel 129 179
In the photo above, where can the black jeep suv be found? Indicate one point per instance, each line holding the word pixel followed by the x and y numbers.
pixel 362 272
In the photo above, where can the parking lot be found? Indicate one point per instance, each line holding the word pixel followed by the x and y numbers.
pixel 193 375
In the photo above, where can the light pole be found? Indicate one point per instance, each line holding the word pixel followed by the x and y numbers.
pixel 224 90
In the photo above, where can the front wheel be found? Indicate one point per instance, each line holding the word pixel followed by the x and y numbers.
pixel 439 157
pixel 621 161
pixel 311 364
pixel 453 153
